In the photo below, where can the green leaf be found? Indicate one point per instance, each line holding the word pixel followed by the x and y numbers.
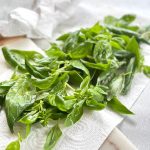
pixel 63 37
pixel 118 107
pixel 146 70
pixel 75 114
pixel 102 51
pixel 33 70
pixel 110 20
pixel 128 18
pixel 19 97
pixel 129 75
pixel 98 66
pixel 82 50
pixel 17 57
pixel 62 104
pixel 116 85
pixel 146 36
pixel 55 52
pixel 95 105
pixel 13 60
pixel 15 145
pixel 60 84
pixel 77 64
pixel 5 86
pixel 28 54
pixel 96 28
pixel 122 22
pixel 123 54
pixel 84 85
pixel 52 137
pixel 133 47
pixel 45 83
pixel 29 118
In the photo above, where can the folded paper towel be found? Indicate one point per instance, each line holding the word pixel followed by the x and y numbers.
pixel 89 133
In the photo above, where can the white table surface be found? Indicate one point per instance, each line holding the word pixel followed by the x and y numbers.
pixel 137 127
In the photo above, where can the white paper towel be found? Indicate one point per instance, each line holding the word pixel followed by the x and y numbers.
pixel 89 133
pixel 48 18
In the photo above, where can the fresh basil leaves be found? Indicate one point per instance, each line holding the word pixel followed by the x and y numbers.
pixel 88 68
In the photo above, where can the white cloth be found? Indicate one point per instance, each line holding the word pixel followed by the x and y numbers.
pixel 48 18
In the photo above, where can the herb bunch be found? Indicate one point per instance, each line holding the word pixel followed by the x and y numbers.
pixel 87 68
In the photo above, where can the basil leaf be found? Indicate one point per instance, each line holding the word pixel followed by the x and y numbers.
pixel 17 57
pixel 123 54
pixel 77 64
pixel 19 97
pixel 63 37
pixel 146 70
pixel 129 75
pixel 82 50
pixel 13 60
pixel 29 118
pixel 15 145
pixel 117 85
pixel 98 66
pixel 5 86
pixel 75 114
pixel 118 107
pixel 55 52
pixel 52 137
pixel 94 105
pixel 62 104
pixel 84 85
pixel 45 83
pixel 129 18
pixel 33 70
pixel 133 47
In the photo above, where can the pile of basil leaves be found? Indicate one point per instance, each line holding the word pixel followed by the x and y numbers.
pixel 85 69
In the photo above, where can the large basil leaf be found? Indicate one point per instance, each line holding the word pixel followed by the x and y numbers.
pixel 17 57
pixel 19 97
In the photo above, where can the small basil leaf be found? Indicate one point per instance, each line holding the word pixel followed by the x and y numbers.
pixel 29 118
pixel 146 70
pixel 129 75
pixel 52 137
pixel 77 64
pixel 32 70
pixel 5 86
pixel 133 47
pixel 123 54
pixel 55 52
pixel 15 145
pixel 118 107
pixel 98 66
pixel 84 85
pixel 75 114
pixel 63 37
pixel 94 105
pixel 128 18
pixel 117 85
pixel 63 105
pixel 81 51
